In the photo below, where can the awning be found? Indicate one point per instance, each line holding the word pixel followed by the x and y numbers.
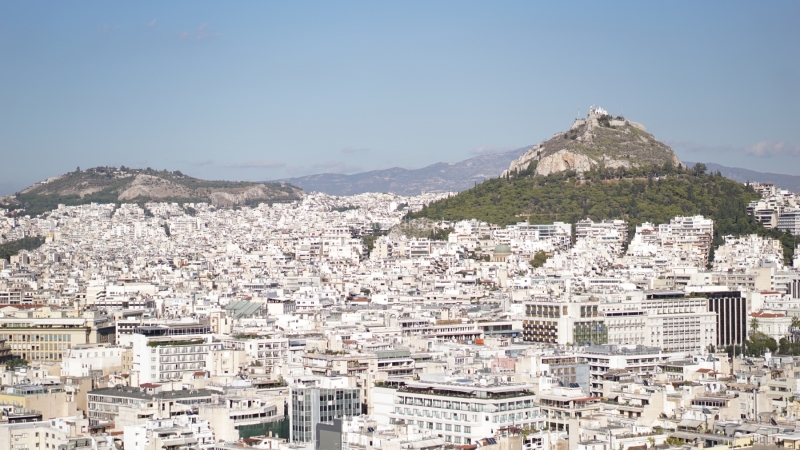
pixel 179 441
pixel 684 436
pixel 689 423
pixel 425 443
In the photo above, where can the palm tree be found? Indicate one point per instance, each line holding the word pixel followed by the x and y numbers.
pixel 754 325
pixel 795 327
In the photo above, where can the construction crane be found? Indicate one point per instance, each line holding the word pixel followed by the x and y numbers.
pixel 528 215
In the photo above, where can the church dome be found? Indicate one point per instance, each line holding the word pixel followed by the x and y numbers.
pixel 502 249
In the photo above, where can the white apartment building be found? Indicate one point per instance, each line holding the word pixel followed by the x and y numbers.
pixel 789 221
pixel 636 359
pixel 679 324
pixel 89 360
pixel 267 352
pixel 461 412
pixel 49 434
pixel 163 353
pixel 183 431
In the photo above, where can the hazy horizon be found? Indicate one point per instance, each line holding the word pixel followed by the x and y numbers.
pixel 273 90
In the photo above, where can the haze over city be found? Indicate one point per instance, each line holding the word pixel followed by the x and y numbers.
pixel 275 90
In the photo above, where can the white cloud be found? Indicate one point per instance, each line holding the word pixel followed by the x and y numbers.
pixel 773 148
pixel 763 149
pixel 201 33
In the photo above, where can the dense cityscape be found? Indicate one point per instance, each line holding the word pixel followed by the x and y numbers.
pixel 167 325
pixel 417 225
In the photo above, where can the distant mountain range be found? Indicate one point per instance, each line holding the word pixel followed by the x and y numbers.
pixel 457 177
pixel 789 182
pixel 439 177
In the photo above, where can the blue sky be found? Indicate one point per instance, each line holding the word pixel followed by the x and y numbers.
pixel 267 90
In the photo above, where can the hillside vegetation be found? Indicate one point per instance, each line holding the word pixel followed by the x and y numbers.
pixel 11 248
pixel 652 194
pixel 113 185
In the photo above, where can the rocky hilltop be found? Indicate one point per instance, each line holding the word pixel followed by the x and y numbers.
pixel 598 140
pixel 114 185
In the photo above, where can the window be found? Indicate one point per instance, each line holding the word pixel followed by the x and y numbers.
pixel 467 430
pixel 448 427
pixel 458 429
pixel 438 426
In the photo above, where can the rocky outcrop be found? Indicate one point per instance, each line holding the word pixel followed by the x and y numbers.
pixel 562 161
pixel 521 163
pixel 599 139
pixel 148 186
pixel 254 193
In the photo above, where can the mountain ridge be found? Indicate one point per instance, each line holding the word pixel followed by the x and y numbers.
pixel 438 177
pixel 125 185
pixel 782 181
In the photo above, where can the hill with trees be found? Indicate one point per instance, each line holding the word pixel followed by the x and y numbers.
pixel 638 194
pixel 116 185
pixel 11 248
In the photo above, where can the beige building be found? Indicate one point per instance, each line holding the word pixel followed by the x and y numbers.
pixel 49 434
pixel 47 334
pixel 233 418
pixel 51 402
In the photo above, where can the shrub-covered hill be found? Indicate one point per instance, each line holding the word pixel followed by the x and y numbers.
pixel 115 185
pixel 653 194
pixel 11 248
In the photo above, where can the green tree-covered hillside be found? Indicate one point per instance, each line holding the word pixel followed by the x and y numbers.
pixel 654 194
pixel 11 248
